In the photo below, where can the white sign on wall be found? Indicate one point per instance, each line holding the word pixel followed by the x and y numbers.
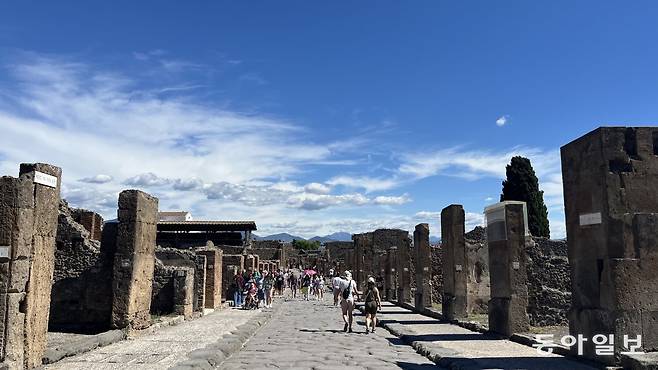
pixel 458 267
pixel 45 179
pixel 4 251
pixel 516 265
pixel 587 219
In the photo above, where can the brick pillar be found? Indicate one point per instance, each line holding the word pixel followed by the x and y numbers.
pixel 134 260
pixel 455 264
pixel 349 262
pixel 250 263
pixel 359 259
pixel 231 263
pixel 506 239
pixel 28 226
pixel 214 266
pixel 404 274
pixel 200 266
pixel 423 266
pixel 611 208
pixel 184 292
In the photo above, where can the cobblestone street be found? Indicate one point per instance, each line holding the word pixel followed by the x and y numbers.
pixel 308 335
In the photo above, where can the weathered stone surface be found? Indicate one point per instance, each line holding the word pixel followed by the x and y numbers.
pixel 506 238
pixel 134 260
pixel 611 209
pixel 28 225
pixel 455 262
pixel 214 277
pixel 423 296
pixel 184 292
pixel 404 274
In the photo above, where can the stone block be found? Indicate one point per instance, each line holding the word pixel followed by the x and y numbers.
pixel 423 269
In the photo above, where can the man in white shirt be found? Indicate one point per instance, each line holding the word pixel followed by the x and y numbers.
pixel 348 295
pixel 335 285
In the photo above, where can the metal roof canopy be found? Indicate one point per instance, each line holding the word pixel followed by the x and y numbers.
pixel 206 225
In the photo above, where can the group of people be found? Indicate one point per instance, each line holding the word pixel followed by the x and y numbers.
pixel 346 292
pixel 255 289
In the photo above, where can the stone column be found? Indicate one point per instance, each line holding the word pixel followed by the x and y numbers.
pixel 359 241
pixel 455 263
pixel 200 267
pixel 250 263
pixel 28 227
pixel 506 239
pixel 611 208
pixel 184 292
pixel 423 266
pixel 404 274
pixel 390 274
pixel 213 277
pixel 134 260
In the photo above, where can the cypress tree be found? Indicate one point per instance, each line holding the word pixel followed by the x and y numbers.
pixel 522 184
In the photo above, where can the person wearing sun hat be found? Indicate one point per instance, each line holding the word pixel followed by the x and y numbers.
pixel 348 292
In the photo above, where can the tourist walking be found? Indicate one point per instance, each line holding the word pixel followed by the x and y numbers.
pixel 335 286
pixel 306 286
pixel 348 294
pixel 292 281
pixel 372 303
pixel 268 287
pixel 320 287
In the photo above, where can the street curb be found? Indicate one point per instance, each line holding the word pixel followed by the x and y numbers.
pixel 82 345
pixel 213 355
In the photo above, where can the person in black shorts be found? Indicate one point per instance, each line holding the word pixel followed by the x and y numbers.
pixel 372 303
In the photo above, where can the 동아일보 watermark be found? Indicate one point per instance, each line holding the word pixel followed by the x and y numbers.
pixel 604 345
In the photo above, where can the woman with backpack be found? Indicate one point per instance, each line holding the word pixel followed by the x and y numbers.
pixel 348 293
pixel 373 303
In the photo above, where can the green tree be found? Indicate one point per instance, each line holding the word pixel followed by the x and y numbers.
pixel 306 245
pixel 522 184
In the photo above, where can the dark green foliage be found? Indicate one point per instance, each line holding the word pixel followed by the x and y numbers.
pixel 522 184
pixel 306 245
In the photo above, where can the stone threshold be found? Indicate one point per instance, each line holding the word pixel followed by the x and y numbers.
pixel 524 339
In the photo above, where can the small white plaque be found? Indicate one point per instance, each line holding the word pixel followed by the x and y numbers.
pixel 4 251
pixel 45 179
pixel 516 265
pixel 458 267
pixel 587 219
pixel 392 270
pixel 426 268
pixel 406 269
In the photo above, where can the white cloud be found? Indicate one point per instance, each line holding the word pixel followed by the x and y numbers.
pixel 317 188
pixel 98 179
pixel 370 184
pixel 502 121
pixel 389 200
pixel 148 179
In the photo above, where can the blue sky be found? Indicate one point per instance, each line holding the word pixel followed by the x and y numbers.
pixel 315 117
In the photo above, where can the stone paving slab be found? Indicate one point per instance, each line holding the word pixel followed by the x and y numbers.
pixel 459 348
pixel 161 349
pixel 309 335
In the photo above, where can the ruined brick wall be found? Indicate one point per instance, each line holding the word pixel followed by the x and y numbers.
pixel 81 297
pixel 92 222
pixel 162 294
pixel 275 244
pixel 478 286
pixel 549 282
pixel 437 273
pixel 174 257
pixel 269 254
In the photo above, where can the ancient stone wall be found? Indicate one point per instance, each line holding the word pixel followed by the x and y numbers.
pixel 214 278
pixel 28 228
pixel 81 297
pixel 436 254
pixel 231 264
pixel 423 294
pixel 162 292
pixel 134 259
pixel 477 284
pixel 174 257
pixel 91 221
pixel 549 282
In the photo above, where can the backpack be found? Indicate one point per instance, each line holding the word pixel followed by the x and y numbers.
pixel 346 292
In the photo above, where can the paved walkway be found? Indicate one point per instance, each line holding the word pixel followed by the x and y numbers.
pixel 162 349
pixel 308 335
pixel 470 349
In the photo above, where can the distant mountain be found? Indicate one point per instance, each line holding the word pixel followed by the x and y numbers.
pixel 340 236
pixel 284 237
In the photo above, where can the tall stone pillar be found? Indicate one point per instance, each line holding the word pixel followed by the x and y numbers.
pixel 359 250
pixel 404 274
pixel 200 268
pixel 423 266
pixel 214 278
pixel 184 292
pixel 610 178
pixel 28 227
pixel 506 238
pixel 455 264
pixel 134 260
pixel 390 276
